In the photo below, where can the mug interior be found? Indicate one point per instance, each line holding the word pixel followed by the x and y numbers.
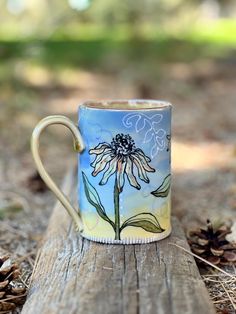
pixel 127 104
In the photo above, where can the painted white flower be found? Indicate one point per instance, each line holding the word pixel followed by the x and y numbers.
pixel 119 157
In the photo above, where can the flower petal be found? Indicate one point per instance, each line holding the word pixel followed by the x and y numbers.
pixel 121 164
pixel 139 151
pixel 144 162
pixel 130 175
pixel 141 171
pixel 99 157
pixel 99 148
pixel 102 164
pixel 110 171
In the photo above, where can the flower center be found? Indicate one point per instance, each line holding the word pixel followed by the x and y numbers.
pixel 123 144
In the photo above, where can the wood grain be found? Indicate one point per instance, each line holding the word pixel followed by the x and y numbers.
pixel 74 275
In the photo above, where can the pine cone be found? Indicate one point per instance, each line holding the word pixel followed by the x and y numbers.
pixel 10 294
pixel 211 244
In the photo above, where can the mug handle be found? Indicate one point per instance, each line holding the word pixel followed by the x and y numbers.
pixel 78 146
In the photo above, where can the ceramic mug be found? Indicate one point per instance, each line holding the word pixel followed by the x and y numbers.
pixel 124 170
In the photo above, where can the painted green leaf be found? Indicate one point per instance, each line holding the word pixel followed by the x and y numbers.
pixel 146 225
pixel 94 199
pixel 146 221
pixel 164 189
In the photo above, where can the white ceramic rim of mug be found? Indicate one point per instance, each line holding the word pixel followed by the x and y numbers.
pixel 133 104
pixel 130 240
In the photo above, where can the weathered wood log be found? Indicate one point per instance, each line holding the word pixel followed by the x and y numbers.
pixel 74 275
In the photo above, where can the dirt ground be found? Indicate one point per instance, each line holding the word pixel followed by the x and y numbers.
pixel 203 146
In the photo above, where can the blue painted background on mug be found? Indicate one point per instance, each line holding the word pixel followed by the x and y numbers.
pixel 99 125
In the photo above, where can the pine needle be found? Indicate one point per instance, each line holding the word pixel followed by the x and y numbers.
pixel 204 260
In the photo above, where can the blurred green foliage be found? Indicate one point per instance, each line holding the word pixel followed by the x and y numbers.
pixel 111 35
pixel 91 48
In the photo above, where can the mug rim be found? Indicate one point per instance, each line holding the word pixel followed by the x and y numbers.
pixel 132 104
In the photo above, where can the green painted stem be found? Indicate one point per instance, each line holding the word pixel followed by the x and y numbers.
pixel 117 211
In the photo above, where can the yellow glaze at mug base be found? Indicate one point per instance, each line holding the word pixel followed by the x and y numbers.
pixel 131 235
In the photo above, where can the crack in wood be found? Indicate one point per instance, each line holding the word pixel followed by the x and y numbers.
pixel 137 281
pixel 168 285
